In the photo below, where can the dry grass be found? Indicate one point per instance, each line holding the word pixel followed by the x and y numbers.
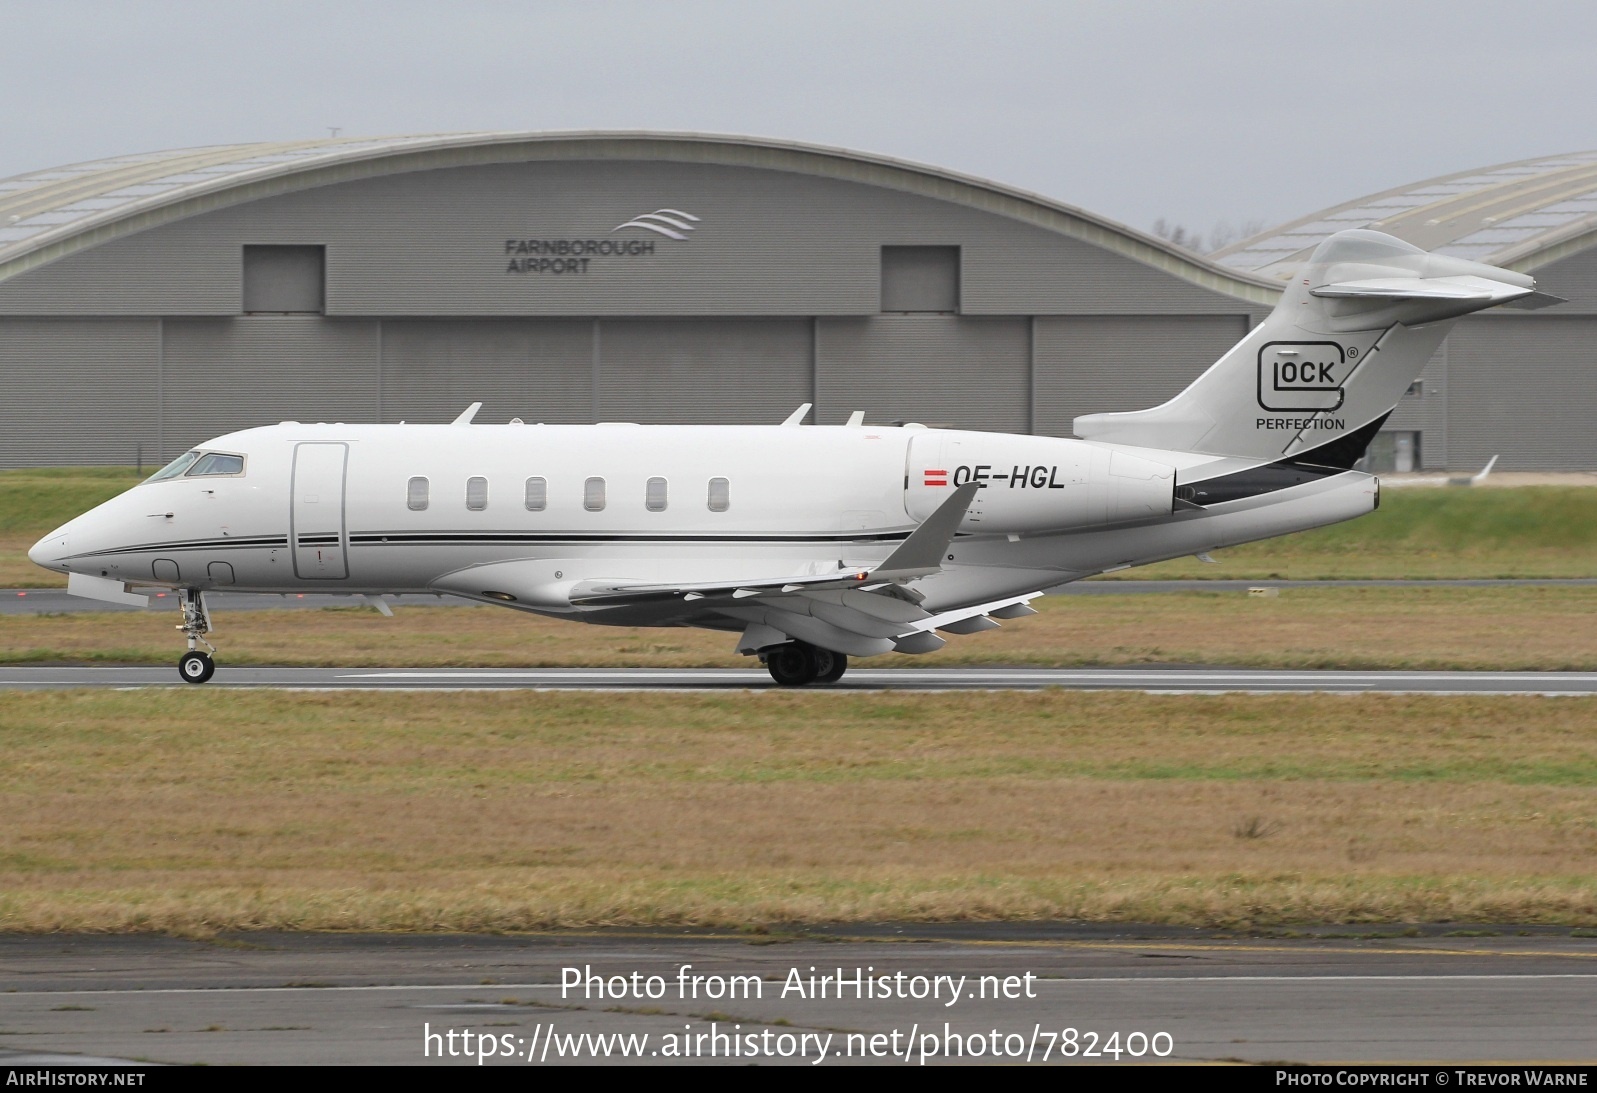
pixel 15 569
pixel 1432 628
pixel 206 810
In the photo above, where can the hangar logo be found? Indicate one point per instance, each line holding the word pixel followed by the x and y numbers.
pixel 1303 376
pixel 671 223
pixel 559 257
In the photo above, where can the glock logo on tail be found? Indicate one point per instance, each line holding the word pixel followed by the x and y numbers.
pixel 1302 376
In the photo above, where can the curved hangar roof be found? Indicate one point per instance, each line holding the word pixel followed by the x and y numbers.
pixel 1518 215
pixel 46 215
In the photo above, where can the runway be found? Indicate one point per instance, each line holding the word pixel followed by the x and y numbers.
pixel 1052 992
pixel 1158 680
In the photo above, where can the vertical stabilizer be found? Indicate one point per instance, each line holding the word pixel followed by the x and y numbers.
pixel 1353 329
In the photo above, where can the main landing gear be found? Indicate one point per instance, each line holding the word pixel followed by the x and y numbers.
pixel 196 667
pixel 798 664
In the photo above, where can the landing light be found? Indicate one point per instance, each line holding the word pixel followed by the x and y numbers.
pixel 502 596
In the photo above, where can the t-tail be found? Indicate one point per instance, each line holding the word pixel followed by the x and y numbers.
pixel 1315 380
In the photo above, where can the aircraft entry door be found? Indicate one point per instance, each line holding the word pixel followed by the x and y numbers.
pixel 316 512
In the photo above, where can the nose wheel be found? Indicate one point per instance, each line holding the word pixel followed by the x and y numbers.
pixel 195 666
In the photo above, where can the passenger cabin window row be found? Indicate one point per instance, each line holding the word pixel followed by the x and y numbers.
pixel 418 494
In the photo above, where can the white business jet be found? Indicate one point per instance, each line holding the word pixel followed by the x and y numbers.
pixel 812 543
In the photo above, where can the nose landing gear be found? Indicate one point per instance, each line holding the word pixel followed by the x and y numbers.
pixel 798 664
pixel 195 666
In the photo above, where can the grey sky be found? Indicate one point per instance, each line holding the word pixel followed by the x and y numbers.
pixel 1198 112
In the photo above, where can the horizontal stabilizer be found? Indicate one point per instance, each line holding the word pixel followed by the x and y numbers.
pixel 1422 288
pixel 1535 301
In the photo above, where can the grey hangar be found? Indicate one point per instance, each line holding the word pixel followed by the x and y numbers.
pixel 148 302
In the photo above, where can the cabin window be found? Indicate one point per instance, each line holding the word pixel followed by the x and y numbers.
pixel 654 495
pixel 416 494
pixel 476 493
pixel 593 495
pixel 720 495
pixel 537 494
pixel 216 463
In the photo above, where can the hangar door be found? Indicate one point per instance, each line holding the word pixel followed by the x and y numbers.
pixel 712 371
pixel 534 369
pixel 1106 363
pixel 949 370
pixel 1521 387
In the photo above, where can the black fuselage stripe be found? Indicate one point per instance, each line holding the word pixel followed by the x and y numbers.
pixel 486 538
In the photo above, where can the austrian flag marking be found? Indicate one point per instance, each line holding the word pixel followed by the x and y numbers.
pixel 936 478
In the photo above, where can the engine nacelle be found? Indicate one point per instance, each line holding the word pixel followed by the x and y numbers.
pixel 1035 483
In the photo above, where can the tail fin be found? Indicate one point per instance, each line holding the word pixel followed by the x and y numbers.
pixel 1351 333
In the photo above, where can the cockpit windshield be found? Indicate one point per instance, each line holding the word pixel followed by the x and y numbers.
pixel 175 468
pixel 217 463
pixel 199 465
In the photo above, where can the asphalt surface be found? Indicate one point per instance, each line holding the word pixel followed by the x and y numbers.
pixel 321 998
pixel 52 601
pixel 1160 680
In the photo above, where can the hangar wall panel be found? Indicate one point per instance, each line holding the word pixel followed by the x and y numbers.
pixel 79 392
pixel 448 242
pixel 227 374
pixel 537 370
pixel 1521 387
pixel 193 267
pixel 1102 364
pixel 936 369
pixel 730 372
pixel 1012 268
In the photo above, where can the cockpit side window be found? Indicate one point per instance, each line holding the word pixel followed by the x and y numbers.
pixel 175 468
pixel 216 463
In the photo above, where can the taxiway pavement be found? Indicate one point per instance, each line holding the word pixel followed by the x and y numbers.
pixel 319 998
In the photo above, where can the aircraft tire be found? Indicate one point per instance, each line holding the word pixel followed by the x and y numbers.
pixel 793 665
pixel 831 666
pixel 196 667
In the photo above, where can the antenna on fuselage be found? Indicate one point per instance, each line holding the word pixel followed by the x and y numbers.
pixel 797 416
pixel 467 414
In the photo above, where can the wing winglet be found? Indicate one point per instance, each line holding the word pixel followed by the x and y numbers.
pixel 923 551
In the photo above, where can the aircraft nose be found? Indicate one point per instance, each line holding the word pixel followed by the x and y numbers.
pixel 49 551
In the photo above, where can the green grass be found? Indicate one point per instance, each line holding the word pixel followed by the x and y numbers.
pixel 1529 531
pixel 36 501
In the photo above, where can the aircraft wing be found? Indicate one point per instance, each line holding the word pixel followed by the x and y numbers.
pixel 861 612
pixel 919 555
